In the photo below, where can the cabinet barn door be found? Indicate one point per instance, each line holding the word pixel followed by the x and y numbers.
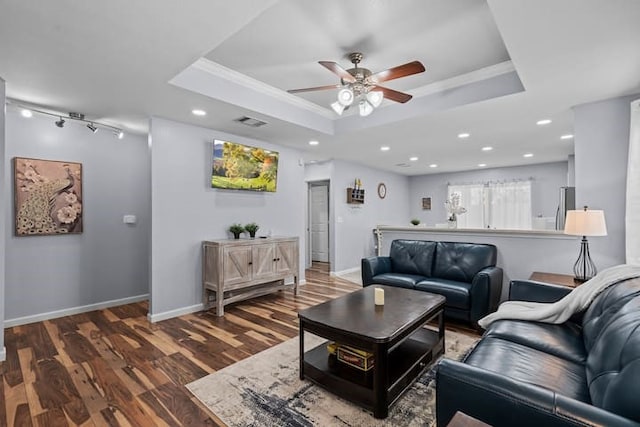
pixel 237 267
pixel 263 260
pixel 287 256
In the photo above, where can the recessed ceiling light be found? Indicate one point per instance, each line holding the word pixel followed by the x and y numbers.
pixel 482 165
pixel 26 113
pixel 433 165
pixel 543 122
pixel 527 155
pixel 487 148
pixel 313 143
pixel 385 148
pixel 464 135
pixel 198 112
pixel 413 159
pixel 567 136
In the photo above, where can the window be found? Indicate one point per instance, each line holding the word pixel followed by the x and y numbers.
pixel 505 205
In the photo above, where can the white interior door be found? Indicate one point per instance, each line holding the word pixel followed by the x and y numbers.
pixel 319 204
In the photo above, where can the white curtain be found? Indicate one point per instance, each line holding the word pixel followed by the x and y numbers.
pixel 510 205
pixel 502 205
pixel 471 198
pixel 632 220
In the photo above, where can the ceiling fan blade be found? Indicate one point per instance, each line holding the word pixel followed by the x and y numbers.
pixel 393 95
pixel 407 69
pixel 311 89
pixel 336 69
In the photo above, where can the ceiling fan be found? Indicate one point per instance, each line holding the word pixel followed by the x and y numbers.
pixel 361 85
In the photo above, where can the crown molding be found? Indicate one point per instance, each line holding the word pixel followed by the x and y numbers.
pixel 223 72
pixel 465 79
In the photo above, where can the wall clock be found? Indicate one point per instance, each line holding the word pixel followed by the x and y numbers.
pixel 382 190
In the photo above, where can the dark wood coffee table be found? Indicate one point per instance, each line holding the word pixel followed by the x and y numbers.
pixel 402 347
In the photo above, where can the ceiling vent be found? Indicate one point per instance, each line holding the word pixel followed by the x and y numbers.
pixel 403 165
pixel 250 121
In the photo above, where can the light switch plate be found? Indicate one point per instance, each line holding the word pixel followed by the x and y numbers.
pixel 129 219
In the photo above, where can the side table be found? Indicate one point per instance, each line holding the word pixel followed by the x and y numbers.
pixel 555 279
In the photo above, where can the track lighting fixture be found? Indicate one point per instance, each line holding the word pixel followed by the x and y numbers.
pixel 27 111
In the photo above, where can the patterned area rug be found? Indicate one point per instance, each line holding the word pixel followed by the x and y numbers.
pixel 265 390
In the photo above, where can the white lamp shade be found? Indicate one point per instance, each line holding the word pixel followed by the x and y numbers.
pixel 338 108
pixel 375 98
pixel 585 223
pixel 345 96
pixel 365 108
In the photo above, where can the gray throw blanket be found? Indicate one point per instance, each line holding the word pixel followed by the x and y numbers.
pixel 558 312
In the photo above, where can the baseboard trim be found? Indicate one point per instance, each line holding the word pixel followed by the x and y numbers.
pixel 174 313
pixel 73 310
pixel 3 354
pixel 341 272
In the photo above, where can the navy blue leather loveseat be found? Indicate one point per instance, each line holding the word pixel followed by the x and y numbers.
pixel 584 372
pixel 464 273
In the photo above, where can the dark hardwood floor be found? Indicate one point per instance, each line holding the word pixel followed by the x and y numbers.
pixel 113 368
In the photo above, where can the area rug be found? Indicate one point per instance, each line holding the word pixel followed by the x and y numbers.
pixel 265 390
pixel 353 276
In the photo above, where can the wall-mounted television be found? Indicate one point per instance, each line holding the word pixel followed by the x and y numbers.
pixel 242 167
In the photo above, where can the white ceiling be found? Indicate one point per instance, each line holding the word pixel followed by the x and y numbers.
pixel 493 69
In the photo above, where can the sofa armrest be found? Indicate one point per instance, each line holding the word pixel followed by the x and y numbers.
pixel 530 290
pixel 486 288
pixel 373 266
pixel 502 401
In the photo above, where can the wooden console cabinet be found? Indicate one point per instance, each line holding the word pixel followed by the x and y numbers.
pixel 234 270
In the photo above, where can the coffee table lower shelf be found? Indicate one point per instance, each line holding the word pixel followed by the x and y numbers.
pixel 406 362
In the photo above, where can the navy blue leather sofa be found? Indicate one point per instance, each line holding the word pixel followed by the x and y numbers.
pixel 464 273
pixel 585 372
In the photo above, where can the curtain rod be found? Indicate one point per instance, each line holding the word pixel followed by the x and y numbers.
pixel 500 181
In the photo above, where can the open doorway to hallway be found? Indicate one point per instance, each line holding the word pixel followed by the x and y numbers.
pixel 318 222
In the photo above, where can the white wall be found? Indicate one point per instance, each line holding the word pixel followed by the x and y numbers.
pixel 601 150
pixel 354 223
pixel 186 210
pixel 547 179
pixel 4 195
pixel 49 276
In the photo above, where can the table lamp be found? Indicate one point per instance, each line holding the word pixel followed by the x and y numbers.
pixel 585 223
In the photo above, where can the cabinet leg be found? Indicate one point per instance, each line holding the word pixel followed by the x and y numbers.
pixel 219 306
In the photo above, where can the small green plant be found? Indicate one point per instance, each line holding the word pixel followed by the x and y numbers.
pixel 251 228
pixel 415 221
pixel 236 229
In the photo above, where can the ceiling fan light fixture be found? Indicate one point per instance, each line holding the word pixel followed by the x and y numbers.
pixel 365 108
pixel 345 96
pixel 338 107
pixel 375 97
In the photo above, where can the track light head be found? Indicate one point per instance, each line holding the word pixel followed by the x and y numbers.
pixel 60 123
pixel 93 128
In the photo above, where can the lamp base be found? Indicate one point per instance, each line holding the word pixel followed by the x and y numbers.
pixel 584 269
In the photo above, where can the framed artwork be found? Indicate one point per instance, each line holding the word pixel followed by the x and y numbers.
pixel 48 197
pixel 426 203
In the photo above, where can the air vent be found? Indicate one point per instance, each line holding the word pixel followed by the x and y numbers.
pixel 403 165
pixel 250 121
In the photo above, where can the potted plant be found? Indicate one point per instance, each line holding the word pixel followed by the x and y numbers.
pixel 236 229
pixel 415 221
pixel 251 228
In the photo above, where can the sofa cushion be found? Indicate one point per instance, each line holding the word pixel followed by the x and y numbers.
pixel 613 364
pixel 529 365
pixel 563 340
pixel 412 257
pixel 605 308
pixel 400 280
pixel 461 261
pixel 456 293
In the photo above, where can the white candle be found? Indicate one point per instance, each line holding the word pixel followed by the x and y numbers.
pixel 379 296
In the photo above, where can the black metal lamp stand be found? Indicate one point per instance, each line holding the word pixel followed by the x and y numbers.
pixel 584 268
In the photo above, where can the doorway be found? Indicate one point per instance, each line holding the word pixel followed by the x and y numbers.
pixel 318 222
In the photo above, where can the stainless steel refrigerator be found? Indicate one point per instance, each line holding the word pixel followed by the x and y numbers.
pixel 566 203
